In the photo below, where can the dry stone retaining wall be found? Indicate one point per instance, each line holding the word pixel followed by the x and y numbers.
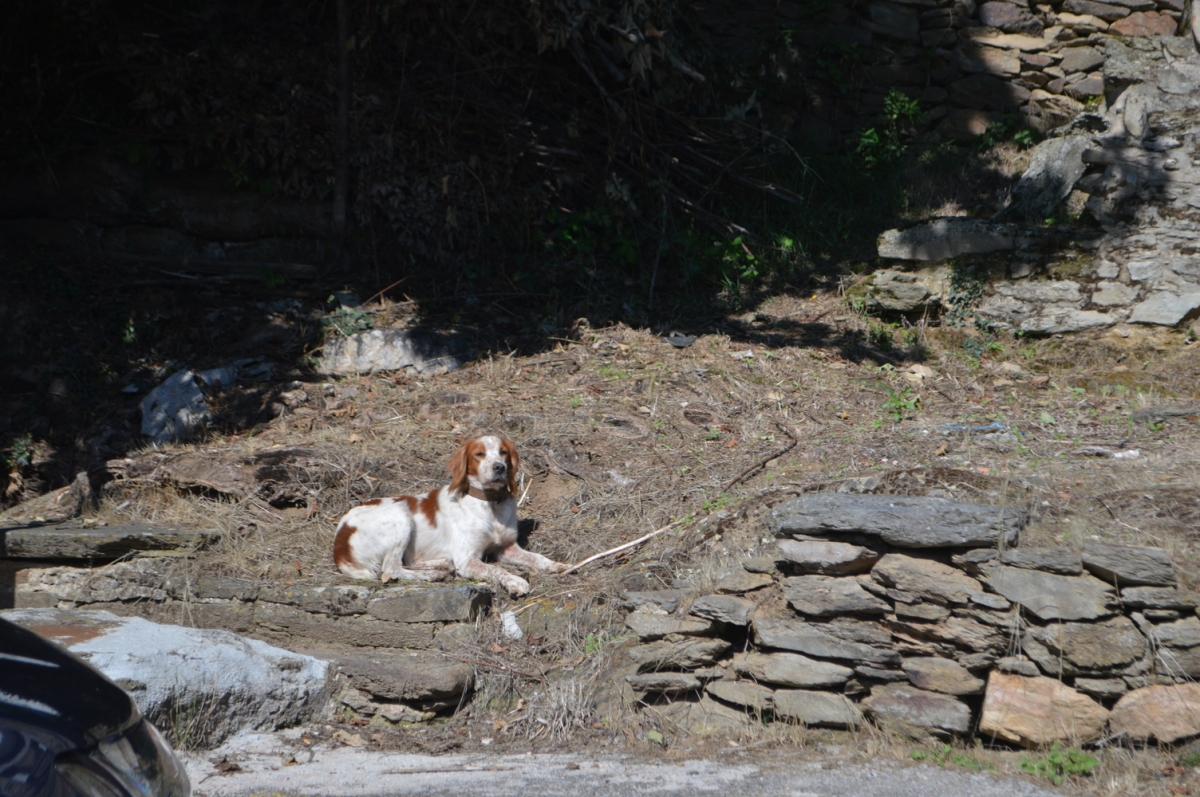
pixel 923 615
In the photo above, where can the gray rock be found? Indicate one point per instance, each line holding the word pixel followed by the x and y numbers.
pixel 821 709
pixel 1010 18
pixel 1103 688
pixel 724 609
pixel 1081 59
pixel 943 239
pixel 909 707
pixel 666 599
pixel 790 670
pixel 176 408
pixel 1054 167
pixel 974 56
pixel 1157 598
pixel 990 601
pixel 109 542
pixel 443 605
pixel 900 292
pixel 985 92
pixel 976 560
pixel 742 581
pixel 930 612
pixel 703 717
pixel 1061 560
pixel 1055 321
pixel 424 678
pixel 1165 308
pixel 827 558
pixel 941 675
pixel 664 682
pixel 1163 412
pixel 223 682
pixel 907 522
pixel 415 351
pixel 1052 597
pixel 678 653
pixel 748 695
pixel 927 578
pixel 1183 633
pixel 1104 11
pixel 339 600
pixel 961 632
pixel 811 640
pixel 826 596
pixel 864 631
pixel 894 21
pixel 878 674
pixel 1087 648
pixel 1129 565
pixel 1113 294
pixel 652 626
pixel 1017 665
pixel 976 662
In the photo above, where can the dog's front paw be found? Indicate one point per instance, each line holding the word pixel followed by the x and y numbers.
pixel 515 585
pixel 558 567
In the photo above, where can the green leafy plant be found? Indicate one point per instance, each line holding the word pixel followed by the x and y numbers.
pixel 882 145
pixel 900 402
pixel 20 451
pixel 966 289
pixel 1059 764
pixel 715 506
pixel 347 320
pixel 946 755
pixel 1009 128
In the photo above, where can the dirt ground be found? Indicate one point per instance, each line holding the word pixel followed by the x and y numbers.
pixel 622 434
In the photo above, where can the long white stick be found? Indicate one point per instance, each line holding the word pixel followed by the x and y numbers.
pixel 618 549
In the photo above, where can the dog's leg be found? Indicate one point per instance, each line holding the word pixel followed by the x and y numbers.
pixel 432 570
pixel 516 555
pixel 474 568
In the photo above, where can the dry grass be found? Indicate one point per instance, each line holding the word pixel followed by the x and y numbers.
pixel 620 433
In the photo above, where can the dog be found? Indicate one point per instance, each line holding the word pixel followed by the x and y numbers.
pixel 449 530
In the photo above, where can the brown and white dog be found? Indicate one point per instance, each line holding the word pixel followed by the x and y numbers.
pixel 452 529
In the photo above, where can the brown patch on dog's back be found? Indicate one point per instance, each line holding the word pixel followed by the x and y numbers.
pixel 429 507
pixel 412 503
pixel 373 502
pixel 341 545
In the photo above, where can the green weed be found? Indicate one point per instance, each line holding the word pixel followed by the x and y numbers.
pixel 1059 764
pixel 899 403
pixel 347 321
pixel 946 755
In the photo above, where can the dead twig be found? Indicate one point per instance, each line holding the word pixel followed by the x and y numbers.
pixel 619 548
pixel 763 462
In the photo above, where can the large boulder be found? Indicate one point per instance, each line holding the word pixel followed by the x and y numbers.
pixel 201 685
pixel 907 707
pixel 1037 711
pixel 943 239
pixel 414 351
pixel 1053 597
pixel 906 522
pixel 1163 713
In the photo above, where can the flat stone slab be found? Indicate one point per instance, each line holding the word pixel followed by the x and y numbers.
pixel 1038 711
pixel 664 682
pixel 926 578
pixel 438 605
pixel 809 639
pixel 421 677
pixel 1061 560
pixel 790 670
pixel 678 653
pixel 906 522
pixel 1053 597
pixel 1157 598
pixel 822 709
pixel 1129 565
pixel 724 609
pixel 742 693
pixel 666 599
pixel 650 626
pixel 1087 648
pixel 829 596
pixel 229 683
pixel 942 239
pixel 916 708
pixel 825 558
pixel 109 542
pixel 935 674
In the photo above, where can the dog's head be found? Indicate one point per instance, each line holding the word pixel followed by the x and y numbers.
pixel 486 463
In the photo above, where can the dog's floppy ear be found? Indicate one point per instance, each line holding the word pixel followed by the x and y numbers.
pixel 514 462
pixel 458 469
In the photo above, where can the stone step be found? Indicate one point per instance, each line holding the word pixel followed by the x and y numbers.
pixel 108 542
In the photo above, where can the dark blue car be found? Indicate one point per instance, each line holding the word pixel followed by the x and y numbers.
pixel 68 731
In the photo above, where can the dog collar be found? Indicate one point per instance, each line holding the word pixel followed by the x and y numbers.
pixel 492 496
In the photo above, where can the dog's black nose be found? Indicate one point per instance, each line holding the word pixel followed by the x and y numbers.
pixel 499 467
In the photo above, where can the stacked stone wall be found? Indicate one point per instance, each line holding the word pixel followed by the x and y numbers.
pixel 832 64
pixel 925 615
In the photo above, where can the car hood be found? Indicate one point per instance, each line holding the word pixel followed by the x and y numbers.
pixel 44 687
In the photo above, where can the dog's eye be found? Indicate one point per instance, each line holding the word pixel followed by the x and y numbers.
pixel 478 455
